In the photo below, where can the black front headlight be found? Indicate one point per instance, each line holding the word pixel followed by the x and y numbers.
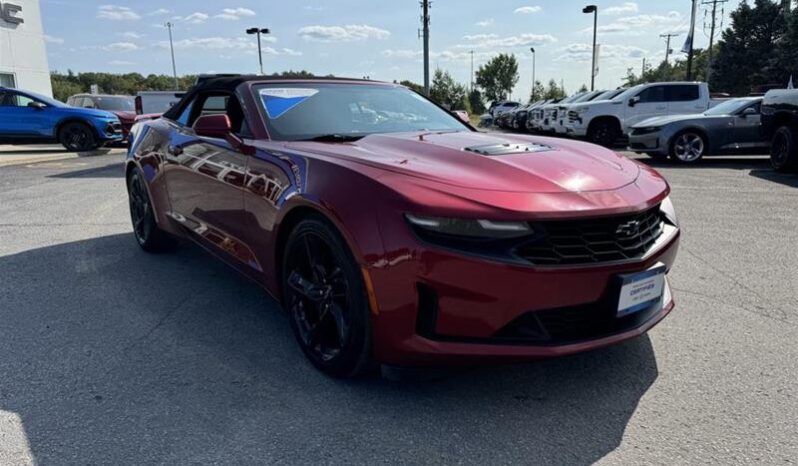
pixel 646 130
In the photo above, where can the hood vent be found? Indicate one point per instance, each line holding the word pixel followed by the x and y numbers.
pixel 504 149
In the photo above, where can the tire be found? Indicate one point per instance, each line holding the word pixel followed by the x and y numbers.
pixel 688 147
pixel 324 295
pixel 145 228
pixel 77 137
pixel 783 157
pixel 604 133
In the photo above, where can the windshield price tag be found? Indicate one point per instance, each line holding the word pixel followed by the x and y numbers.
pixel 279 100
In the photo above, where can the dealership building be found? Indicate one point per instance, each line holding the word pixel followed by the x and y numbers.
pixel 23 54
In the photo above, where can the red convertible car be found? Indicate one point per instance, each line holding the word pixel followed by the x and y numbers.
pixel 393 233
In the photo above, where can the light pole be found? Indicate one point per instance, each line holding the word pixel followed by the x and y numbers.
pixel 172 47
pixel 532 49
pixel 258 32
pixel 593 9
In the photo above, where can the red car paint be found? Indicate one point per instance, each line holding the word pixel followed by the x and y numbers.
pixel 127 119
pixel 366 187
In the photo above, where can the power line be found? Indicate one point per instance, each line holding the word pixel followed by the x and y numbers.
pixel 713 20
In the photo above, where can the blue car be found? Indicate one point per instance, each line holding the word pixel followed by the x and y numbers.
pixel 30 118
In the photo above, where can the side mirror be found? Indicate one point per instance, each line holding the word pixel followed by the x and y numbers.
pixel 633 101
pixel 749 111
pixel 213 126
pixel 37 105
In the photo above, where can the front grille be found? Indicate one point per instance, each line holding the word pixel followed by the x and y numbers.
pixel 572 324
pixel 599 240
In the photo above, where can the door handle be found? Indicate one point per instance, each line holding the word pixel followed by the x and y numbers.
pixel 174 150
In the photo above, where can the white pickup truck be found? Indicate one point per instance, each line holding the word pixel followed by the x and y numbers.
pixel 603 122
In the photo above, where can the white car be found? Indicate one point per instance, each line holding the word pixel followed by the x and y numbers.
pixel 603 122
pixel 562 109
pixel 550 112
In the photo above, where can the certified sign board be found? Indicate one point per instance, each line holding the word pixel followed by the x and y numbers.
pixel 11 13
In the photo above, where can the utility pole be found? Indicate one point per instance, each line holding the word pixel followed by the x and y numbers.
pixel 714 4
pixel 689 43
pixel 425 4
pixel 172 47
pixel 258 32
pixel 532 49
pixel 667 38
pixel 587 10
pixel 471 84
pixel 643 69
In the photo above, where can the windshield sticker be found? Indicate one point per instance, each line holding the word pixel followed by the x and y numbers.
pixel 277 101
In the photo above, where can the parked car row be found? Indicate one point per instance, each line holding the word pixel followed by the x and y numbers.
pixel 84 123
pixel 679 120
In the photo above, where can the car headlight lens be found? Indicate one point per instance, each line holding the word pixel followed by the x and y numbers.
pixel 666 207
pixel 647 129
pixel 468 228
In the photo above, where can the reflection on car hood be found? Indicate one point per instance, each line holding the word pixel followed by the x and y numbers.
pixel 521 164
pixel 664 120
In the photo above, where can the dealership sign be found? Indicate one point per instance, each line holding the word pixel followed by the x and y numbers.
pixel 10 13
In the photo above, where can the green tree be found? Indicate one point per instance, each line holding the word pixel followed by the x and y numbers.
pixel 410 84
pixel 476 102
pixel 746 52
pixel 498 76
pixel 553 91
pixel 538 92
pixel 583 88
pixel 446 92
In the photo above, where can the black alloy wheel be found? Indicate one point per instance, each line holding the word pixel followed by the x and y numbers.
pixel 77 137
pixel 783 157
pixel 325 297
pixel 603 133
pixel 145 228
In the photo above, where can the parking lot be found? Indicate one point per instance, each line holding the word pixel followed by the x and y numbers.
pixel 112 356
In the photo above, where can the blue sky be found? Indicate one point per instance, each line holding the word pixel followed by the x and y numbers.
pixel 356 38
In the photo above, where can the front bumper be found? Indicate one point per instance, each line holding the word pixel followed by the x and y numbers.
pixel 443 307
pixel 647 143
pixel 109 131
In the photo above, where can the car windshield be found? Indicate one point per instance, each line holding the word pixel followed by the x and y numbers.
pixel 49 101
pixel 305 111
pixel 729 107
pixel 119 104
pixel 628 93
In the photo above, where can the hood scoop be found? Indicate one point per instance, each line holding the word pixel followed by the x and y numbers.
pixel 510 148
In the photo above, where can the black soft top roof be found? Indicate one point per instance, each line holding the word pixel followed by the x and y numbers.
pixel 230 83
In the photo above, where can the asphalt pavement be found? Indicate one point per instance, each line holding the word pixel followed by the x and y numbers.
pixel 109 355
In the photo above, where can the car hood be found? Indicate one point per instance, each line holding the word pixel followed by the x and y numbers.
pixel 520 164
pixel 88 112
pixel 125 115
pixel 664 120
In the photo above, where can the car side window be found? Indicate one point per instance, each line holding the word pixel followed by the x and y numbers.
pixel 682 93
pixel 214 104
pixel 652 94
pixel 12 99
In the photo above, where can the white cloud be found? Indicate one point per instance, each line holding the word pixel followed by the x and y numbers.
pixel 480 37
pixel 446 55
pixel 121 47
pixel 485 22
pixel 116 13
pixel 617 53
pixel 313 8
pixel 53 40
pixel 130 35
pixel 528 10
pixel 291 52
pixel 159 12
pixel 673 21
pixel 196 18
pixel 626 8
pixel 348 33
pixel 482 41
pixel 234 14
pixel 228 43
pixel 121 63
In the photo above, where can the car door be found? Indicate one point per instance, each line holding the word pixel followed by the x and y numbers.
pixel 18 118
pixel 205 178
pixel 747 132
pixel 650 102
